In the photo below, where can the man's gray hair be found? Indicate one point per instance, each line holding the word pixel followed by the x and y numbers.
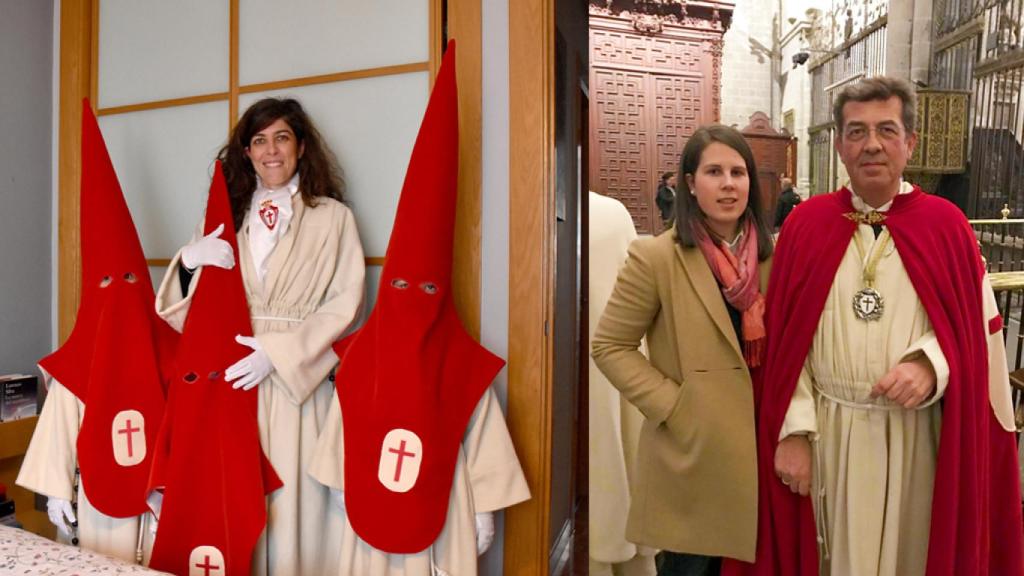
pixel 878 88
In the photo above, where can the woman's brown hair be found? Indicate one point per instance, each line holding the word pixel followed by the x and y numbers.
pixel 319 173
pixel 688 212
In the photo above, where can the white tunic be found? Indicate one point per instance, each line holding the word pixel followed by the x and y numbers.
pixel 310 296
pixel 49 469
pixel 874 462
pixel 487 478
pixel 614 422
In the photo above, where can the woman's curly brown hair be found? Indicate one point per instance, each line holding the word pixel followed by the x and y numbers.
pixel 319 173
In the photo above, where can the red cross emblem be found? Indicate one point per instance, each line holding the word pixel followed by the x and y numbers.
pixel 206 561
pixel 268 214
pixel 128 431
pixel 401 454
pixel 128 437
pixel 206 566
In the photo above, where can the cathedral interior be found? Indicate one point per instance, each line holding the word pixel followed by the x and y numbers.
pixel 771 68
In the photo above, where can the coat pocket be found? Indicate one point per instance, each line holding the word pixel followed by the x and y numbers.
pixel 708 401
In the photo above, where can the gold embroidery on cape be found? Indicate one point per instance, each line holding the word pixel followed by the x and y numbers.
pixel 871 218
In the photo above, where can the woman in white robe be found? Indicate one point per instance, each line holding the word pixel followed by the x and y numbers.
pixel 303 268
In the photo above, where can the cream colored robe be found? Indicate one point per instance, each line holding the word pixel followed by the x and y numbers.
pixel 487 478
pixel 614 422
pixel 49 469
pixel 874 462
pixel 310 296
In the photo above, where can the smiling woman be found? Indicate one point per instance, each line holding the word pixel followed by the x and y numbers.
pixel 302 266
pixel 274 153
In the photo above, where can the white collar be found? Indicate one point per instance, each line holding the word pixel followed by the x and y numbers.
pixel 292 186
pixel 735 244
pixel 861 206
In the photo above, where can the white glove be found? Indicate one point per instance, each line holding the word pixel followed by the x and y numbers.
pixel 338 497
pixel 62 515
pixel 484 532
pixel 251 370
pixel 209 250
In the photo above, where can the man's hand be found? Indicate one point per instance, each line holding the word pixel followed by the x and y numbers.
pixel 793 463
pixel 908 383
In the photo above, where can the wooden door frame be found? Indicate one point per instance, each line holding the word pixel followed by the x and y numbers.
pixel 531 276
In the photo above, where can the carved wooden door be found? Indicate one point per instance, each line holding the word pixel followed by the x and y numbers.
pixel 649 93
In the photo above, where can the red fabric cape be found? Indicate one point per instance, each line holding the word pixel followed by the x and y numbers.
pixel 976 525
pixel 209 460
pixel 118 356
pixel 412 370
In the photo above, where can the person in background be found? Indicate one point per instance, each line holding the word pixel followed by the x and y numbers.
pixel 614 422
pixel 666 198
pixel 788 199
pixel 696 293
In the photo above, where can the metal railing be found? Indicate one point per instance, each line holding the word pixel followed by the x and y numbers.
pixel 1001 241
pixel 1009 290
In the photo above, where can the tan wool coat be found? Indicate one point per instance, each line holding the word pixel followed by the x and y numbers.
pixel 696 477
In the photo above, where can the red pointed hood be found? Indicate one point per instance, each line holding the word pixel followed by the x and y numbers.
pixel 422 238
pixel 209 460
pixel 111 255
pixel 119 353
pixel 219 309
pixel 409 379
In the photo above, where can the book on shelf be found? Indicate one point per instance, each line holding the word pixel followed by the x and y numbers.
pixel 19 396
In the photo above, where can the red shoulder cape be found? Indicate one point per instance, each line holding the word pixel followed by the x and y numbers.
pixel 976 525
pixel 208 456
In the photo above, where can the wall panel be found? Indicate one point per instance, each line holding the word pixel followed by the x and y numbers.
pixel 371 125
pixel 153 50
pixel 310 38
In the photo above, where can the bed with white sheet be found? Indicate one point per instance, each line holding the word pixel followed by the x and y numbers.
pixel 23 552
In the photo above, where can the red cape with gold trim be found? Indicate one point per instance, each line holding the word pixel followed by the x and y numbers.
pixel 209 461
pixel 119 353
pixel 411 377
pixel 976 525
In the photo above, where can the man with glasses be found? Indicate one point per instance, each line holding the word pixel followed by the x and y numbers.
pixel 885 429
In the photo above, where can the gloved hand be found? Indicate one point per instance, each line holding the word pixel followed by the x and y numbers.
pixel 209 250
pixel 484 532
pixel 338 497
pixel 251 370
pixel 62 515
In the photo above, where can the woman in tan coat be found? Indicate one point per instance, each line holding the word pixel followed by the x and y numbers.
pixel 696 293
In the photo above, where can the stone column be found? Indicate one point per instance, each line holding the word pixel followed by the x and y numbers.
pixel 921 47
pixel 899 38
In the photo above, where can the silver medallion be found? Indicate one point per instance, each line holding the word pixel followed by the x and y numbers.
pixel 868 304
